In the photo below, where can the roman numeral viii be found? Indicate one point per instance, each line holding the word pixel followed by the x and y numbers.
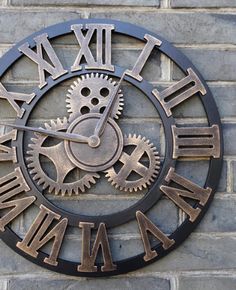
pixel 41 232
pixel 12 185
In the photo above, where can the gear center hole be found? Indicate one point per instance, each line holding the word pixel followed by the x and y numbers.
pixel 85 92
pixel 95 101
pixel 104 92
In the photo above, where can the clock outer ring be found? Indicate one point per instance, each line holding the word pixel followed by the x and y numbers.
pixel 183 231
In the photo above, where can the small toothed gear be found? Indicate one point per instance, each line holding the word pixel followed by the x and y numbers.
pixel 91 94
pixel 131 163
pixel 57 155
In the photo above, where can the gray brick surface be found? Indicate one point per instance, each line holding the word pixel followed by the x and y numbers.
pixel 224 98
pixel 12 263
pixel 184 28
pixel 3 283
pixel 229 132
pixel 28 22
pixel 222 62
pixel 220 216
pixel 86 3
pixel 90 284
pixel 202 3
pixel 198 253
pixel 205 283
pixel 234 176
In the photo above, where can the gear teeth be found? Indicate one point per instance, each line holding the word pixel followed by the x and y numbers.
pixel 33 171
pixel 45 186
pixel 75 101
pixel 41 178
pixel 146 180
pixel 29 159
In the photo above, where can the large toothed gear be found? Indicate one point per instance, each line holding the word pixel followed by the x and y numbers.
pixel 91 94
pixel 145 170
pixel 63 165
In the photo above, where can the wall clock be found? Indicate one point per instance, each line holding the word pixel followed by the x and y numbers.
pixel 85 173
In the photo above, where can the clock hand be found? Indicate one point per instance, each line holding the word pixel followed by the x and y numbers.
pixel 59 135
pixel 107 112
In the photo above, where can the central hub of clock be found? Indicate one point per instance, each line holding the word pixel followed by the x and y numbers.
pixel 99 153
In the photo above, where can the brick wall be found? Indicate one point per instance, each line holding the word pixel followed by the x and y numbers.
pixel 205 31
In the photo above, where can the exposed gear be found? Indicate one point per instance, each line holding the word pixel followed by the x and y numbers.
pixel 91 94
pixel 63 165
pixel 121 177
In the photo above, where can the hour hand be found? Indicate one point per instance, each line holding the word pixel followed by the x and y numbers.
pixel 59 135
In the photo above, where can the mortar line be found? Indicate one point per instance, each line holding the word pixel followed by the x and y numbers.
pixel 165 275
pixel 119 8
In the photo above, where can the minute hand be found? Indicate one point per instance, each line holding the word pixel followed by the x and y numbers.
pixel 59 135
pixel 107 112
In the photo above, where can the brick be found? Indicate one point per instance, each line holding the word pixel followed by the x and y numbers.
pixel 90 284
pixel 28 22
pixel 154 3
pixel 220 216
pixel 222 62
pixel 184 28
pixel 3 283
pixel 224 97
pixel 229 132
pixel 198 253
pixel 194 171
pixel 222 187
pixel 11 262
pixel 202 3
pixel 234 176
pixel 205 283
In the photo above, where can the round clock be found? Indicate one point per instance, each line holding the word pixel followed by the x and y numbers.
pixel 105 165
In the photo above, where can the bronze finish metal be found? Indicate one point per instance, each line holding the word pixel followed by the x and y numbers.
pixel 90 157
pixel 91 94
pixel 188 189
pixel 91 139
pixel 62 163
pixel 101 241
pixel 59 135
pixel 145 225
pixel 169 100
pixel 38 235
pixel 196 141
pixel 131 163
pixel 100 127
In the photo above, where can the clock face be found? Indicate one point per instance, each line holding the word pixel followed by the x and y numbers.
pixel 101 171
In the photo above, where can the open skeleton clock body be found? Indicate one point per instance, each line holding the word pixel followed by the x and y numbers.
pixel 85 171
